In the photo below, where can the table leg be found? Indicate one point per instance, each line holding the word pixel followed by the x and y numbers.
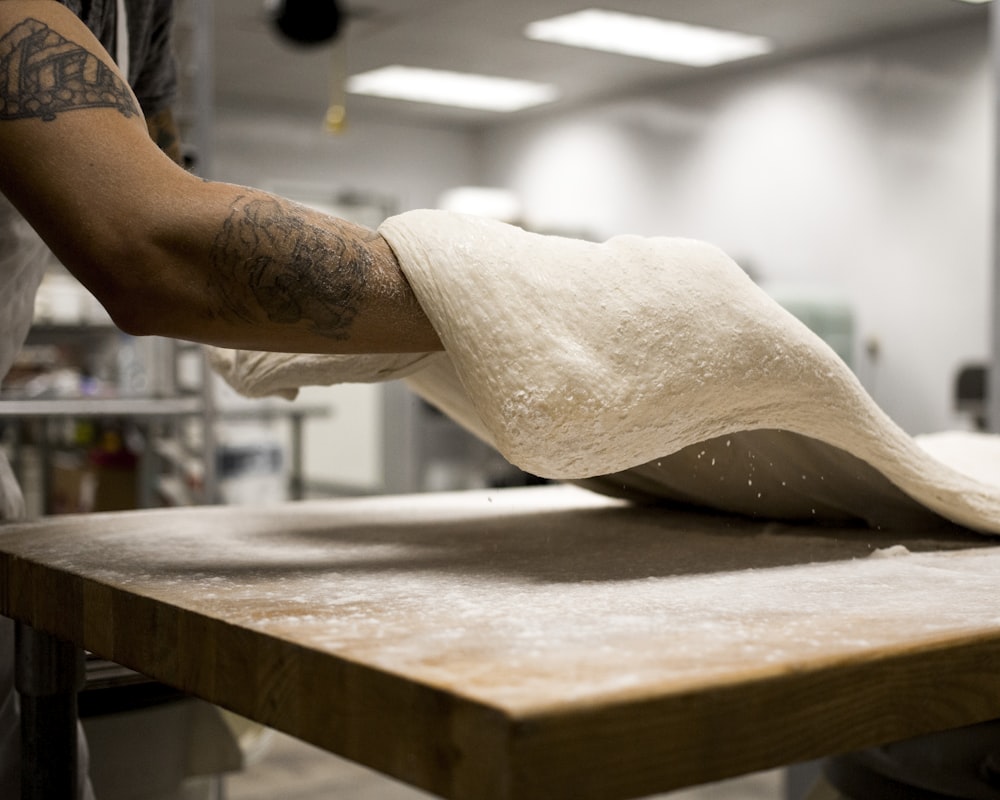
pixel 48 674
pixel 297 490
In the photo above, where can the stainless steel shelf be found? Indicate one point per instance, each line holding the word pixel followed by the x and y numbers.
pixel 105 407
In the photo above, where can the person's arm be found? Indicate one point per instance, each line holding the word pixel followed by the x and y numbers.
pixel 165 252
pixel 163 131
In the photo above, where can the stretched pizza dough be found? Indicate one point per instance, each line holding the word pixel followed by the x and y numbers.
pixel 655 368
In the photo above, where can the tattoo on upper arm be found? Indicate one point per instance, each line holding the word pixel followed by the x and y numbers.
pixel 269 256
pixel 43 74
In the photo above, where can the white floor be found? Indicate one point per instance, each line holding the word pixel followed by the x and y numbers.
pixel 292 770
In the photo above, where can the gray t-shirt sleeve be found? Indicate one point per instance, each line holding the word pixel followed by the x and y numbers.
pixel 153 66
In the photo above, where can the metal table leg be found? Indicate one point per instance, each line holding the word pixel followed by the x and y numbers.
pixel 297 480
pixel 48 674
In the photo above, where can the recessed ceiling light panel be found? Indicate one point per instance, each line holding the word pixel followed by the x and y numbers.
pixel 648 37
pixel 442 87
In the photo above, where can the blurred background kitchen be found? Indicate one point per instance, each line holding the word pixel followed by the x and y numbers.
pixel 843 156
pixel 841 150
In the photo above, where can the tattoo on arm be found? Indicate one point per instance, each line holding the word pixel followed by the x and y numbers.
pixel 269 256
pixel 42 75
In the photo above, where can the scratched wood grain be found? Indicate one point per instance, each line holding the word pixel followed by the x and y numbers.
pixel 539 643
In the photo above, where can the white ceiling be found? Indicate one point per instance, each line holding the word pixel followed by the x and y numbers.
pixel 253 65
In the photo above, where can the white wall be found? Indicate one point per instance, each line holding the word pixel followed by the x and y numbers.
pixel 865 173
pixel 410 165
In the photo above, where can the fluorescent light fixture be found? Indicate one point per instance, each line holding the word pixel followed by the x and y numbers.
pixel 441 87
pixel 648 37
pixel 975 1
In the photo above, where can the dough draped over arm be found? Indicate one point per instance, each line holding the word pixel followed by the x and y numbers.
pixel 656 365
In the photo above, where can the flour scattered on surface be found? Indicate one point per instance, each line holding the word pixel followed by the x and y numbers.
pixel 890 552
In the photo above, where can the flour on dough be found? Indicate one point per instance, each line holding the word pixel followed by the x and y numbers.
pixel 625 359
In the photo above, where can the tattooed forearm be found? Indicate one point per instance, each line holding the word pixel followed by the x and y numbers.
pixel 42 75
pixel 269 256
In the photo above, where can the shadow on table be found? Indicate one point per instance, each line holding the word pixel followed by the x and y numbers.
pixel 589 544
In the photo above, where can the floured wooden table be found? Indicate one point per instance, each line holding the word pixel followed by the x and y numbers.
pixel 531 643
